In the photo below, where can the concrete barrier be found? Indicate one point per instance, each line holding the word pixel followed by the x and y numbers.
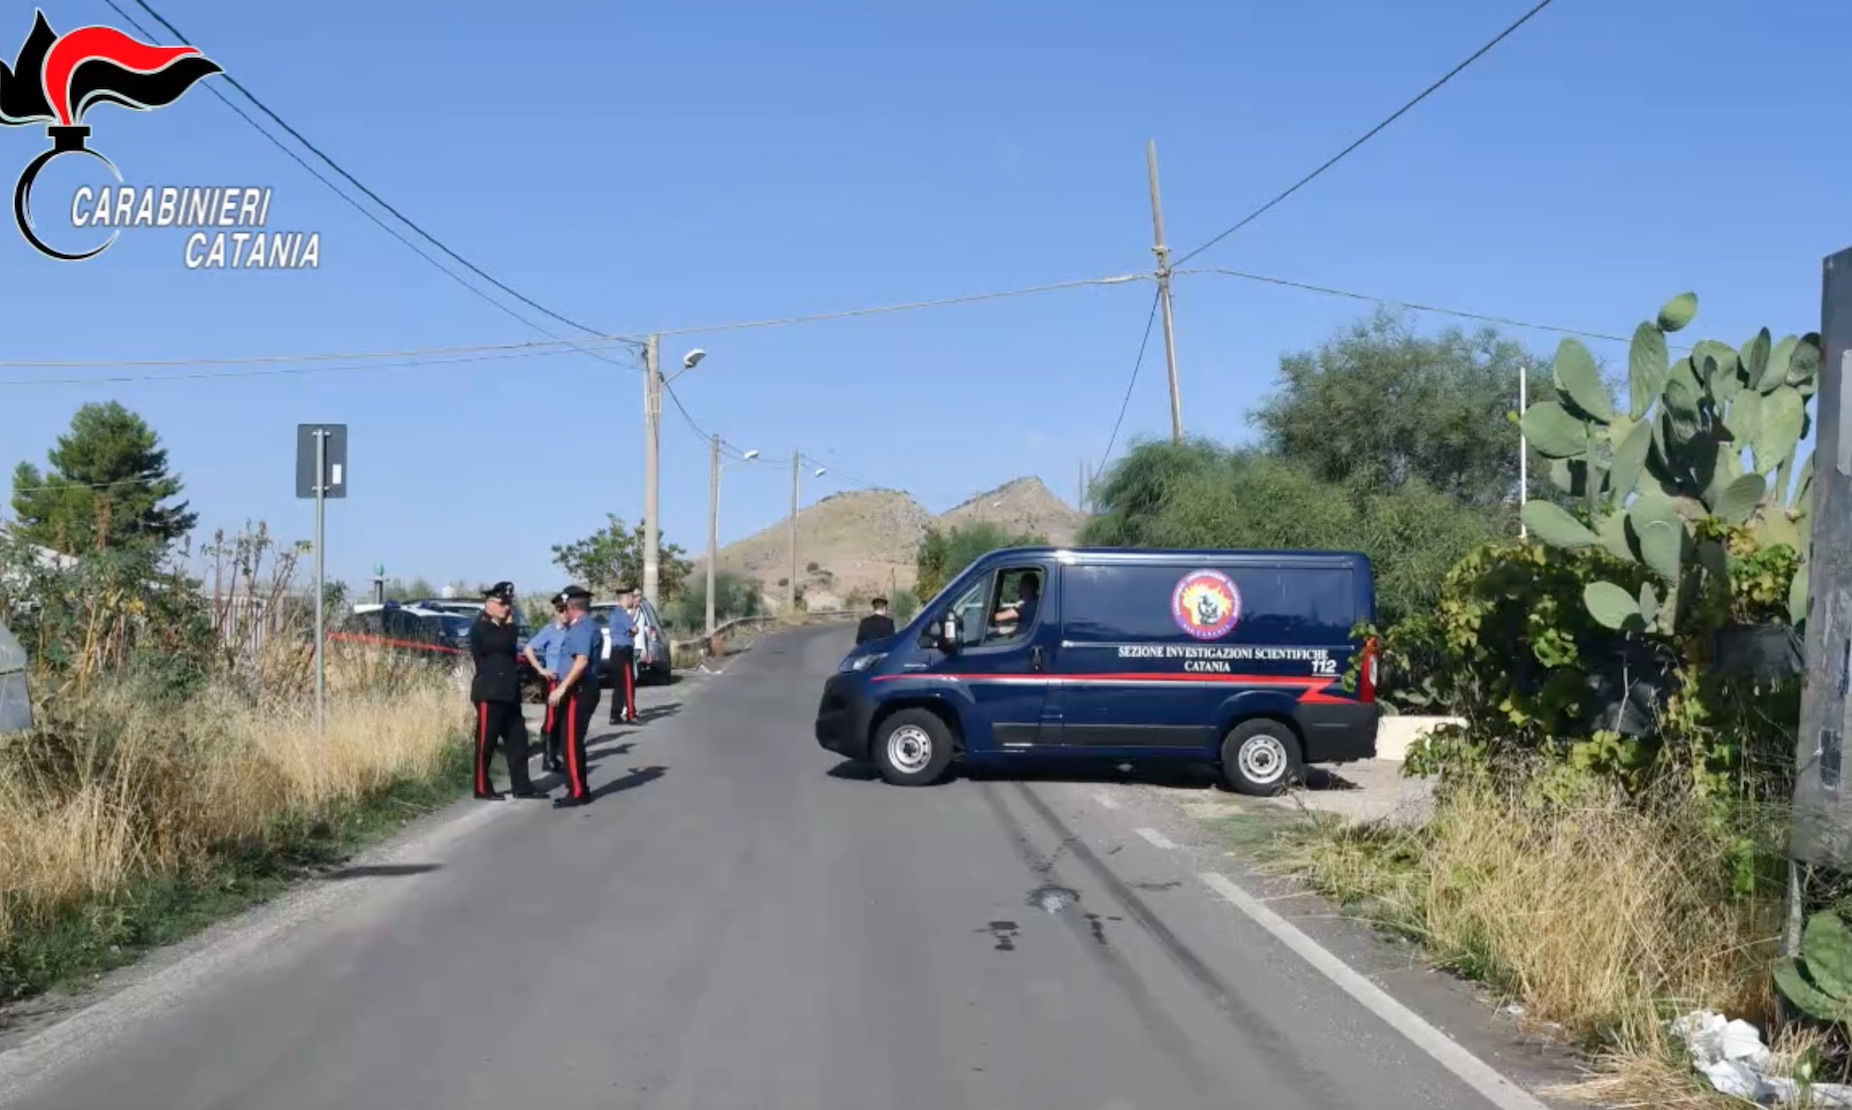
pixel 1395 734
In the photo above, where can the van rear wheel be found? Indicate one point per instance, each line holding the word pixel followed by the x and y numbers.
pixel 1261 757
pixel 912 748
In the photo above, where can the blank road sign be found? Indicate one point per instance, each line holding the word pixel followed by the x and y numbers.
pixel 333 479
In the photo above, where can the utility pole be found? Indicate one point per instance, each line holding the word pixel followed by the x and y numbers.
pixel 652 478
pixel 791 587
pixel 713 525
pixel 1163 283
pixel 1822 829
pixel 1081 503
pixel 1523 452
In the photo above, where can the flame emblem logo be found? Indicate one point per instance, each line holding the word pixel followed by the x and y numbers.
pixel 1206 604
pixel 57 78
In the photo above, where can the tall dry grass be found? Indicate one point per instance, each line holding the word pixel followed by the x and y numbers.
pixel 1598 913
pixel 117 785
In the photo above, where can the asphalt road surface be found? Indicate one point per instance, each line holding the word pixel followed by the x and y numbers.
pixel 739 923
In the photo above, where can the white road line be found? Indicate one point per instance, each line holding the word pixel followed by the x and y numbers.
pixel 1105 799
pixel 1474 1072
pixel 1157 839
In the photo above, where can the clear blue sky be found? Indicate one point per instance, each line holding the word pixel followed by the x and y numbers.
pixel 666 165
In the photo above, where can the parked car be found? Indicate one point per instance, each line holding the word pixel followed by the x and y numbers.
pixel 440 637
pixel 1236 658
pixel 653 664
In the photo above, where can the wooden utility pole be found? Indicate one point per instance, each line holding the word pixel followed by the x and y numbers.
pixel 713 525
pixel 652 477
pixel 791 588
pixel 1163 284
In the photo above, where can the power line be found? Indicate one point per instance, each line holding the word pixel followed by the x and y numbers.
pixel 337 191
pixel 1139 362
pixel 351 179
pixel 1371 133
pixel 1390 302
pixel 538 345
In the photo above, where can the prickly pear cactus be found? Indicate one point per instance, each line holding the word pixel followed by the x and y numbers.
pixel 1710 435
pixel 1819 982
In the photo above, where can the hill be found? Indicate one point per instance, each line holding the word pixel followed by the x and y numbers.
pixel 863 542
pixel 1021 506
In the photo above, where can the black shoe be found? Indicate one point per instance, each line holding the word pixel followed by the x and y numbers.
pixel 491 796
pixel 570 802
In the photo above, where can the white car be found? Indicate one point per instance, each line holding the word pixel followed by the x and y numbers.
pixel 652 641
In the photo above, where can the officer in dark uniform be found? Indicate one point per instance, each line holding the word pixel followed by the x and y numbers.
pixel 496 690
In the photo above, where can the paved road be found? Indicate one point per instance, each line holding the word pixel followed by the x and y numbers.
pixel 739 924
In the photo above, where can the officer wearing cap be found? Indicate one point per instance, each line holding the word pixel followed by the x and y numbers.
pixel 545 654
pixel 496 690
pixel 575 699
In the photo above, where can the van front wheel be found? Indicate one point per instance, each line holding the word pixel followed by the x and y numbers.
pixel 912 748
pixel 1261 758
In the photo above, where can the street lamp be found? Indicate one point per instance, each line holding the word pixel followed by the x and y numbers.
pixel 713 514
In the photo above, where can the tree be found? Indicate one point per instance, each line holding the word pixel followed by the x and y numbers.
pixel 612 557
pixel 418 588
pixel 1199 494
pixel 107 486
pixel 734 596
pixel 943 555
pixel 1378 405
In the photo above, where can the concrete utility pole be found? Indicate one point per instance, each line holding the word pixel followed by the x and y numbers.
pixel 1822 830
pixel 713 524
pixel 1082 503
pixel 652 477
pixel 1163 284
pixel 791 587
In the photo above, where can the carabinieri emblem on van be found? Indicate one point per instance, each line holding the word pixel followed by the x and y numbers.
pixel 1206 604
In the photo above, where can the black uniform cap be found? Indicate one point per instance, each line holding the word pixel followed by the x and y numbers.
pixel 501 591
pixel 558 599
pixel 576 593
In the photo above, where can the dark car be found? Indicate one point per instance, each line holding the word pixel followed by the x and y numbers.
pixel 439 637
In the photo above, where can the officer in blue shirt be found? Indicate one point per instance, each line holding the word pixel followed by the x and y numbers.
pixel 545 653
pixel 575 698
pixel 623 661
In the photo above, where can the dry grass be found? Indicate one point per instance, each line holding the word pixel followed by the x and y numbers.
pixel 119 787
pixel 1598 914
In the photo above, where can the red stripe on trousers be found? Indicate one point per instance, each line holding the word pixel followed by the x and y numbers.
pixel 630 688
pixel 482 746
pixel 572 748
pixel 548 727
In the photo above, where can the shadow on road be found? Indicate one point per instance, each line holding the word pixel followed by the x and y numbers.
pixel 598 755
pixel 638 776
pixel 658 712
pixel 382 870
pixel 853 771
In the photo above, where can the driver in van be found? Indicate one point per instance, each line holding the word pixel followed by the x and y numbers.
pixel 1022 613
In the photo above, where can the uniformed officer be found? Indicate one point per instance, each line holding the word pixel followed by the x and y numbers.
pixel 575 699
pixel 622 664
pixel 544 654
pixel 496 690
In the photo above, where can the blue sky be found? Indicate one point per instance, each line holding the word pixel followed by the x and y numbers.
pixel 658 166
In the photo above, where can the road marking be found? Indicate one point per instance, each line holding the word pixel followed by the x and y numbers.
pixel 1471 1070
pixel 1105 799
pixel 1157 839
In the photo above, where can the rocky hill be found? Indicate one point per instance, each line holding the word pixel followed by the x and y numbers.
pixel 864 542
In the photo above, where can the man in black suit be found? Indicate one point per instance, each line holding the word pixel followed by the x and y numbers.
pixel 876 625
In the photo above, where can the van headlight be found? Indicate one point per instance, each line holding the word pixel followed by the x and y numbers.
pixel 862 662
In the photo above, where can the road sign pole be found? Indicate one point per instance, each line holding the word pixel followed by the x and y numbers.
pixel 321 592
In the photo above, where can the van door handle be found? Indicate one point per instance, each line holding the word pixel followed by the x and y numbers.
pixel 1038 659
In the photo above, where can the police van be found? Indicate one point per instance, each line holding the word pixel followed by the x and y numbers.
pixel 1237 658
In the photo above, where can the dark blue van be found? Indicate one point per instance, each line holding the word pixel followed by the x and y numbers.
pixel 1234 657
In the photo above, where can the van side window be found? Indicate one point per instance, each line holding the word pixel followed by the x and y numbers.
pixel 1018 605
pixel 970 609
pixel 1286 606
